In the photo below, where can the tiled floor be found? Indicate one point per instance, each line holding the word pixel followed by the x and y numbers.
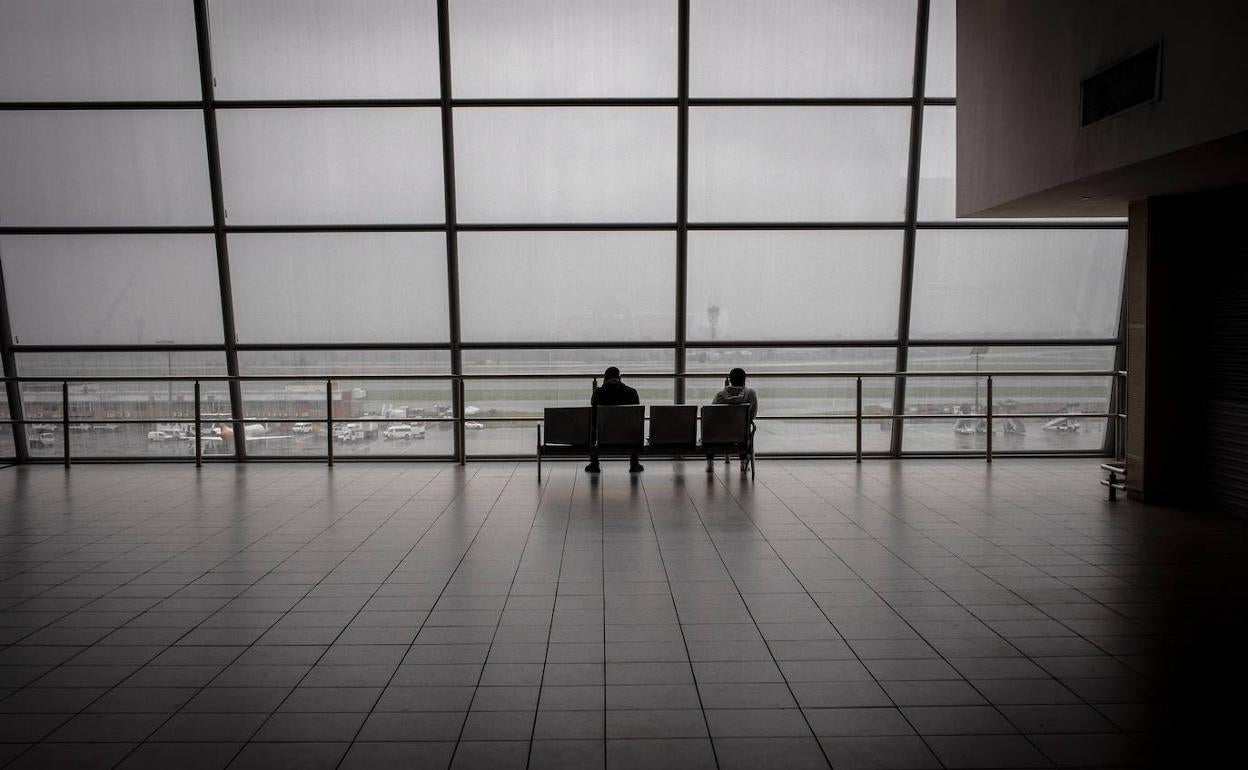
pixel 890 615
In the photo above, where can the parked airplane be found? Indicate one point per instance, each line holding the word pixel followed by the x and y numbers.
pixel 252 431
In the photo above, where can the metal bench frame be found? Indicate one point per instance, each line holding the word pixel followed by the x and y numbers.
pixel 671 421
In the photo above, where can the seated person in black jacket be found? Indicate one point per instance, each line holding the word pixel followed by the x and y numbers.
pixel 613 393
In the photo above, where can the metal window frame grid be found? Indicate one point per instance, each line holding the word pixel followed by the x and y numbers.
pixel 680 225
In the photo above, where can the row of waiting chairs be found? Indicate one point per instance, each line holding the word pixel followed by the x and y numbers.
pixel 617 431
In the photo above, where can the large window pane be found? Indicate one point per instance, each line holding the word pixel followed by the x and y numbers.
pixel 363 409
pixel 802 48
pixel 103 168
pixel 1063 398
pixel 938 165
pixel 803 397
pixel 563 48
pixel 88 50
pixel 567 360
pixel 566 286
pixel 119 289
pixel 566 164
pixel 489 402
pixel 777 285
pixel 1028 284
pixel 105 407
pixel 942 49
pixel 324 49
pixel 332 166
pixel 344 362
pixel 786 164
pixel 340 287
pixel 287 418
pixel 7 447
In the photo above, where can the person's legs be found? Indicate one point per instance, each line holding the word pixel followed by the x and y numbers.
pixel 710 463
pixel 634 465
pixel 593 466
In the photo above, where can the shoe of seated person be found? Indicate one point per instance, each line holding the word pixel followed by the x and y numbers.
pixel 636 468
pixel 710 466
pixel 593 468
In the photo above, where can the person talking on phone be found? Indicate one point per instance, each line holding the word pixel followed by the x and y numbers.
pixel 735 392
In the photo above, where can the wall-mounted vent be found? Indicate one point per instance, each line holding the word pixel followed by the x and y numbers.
pixel 1133 81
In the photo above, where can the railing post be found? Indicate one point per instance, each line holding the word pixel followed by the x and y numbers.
pixel 989 419
pixel 199 444
pixel 65 421
pixel 457 411
pixel 858 423
pixel 329 421
pixel 1120 422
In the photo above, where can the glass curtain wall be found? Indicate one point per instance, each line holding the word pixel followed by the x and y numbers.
pixel 517 191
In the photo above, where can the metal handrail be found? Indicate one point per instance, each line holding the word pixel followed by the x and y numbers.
pixel 459 419
pixel 842 374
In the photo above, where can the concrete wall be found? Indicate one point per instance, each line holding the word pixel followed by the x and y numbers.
pixel 1021 151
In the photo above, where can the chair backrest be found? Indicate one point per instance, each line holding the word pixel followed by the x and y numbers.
pixel 621 426
pixel 725 424
pixel 673 426
pixel 567 425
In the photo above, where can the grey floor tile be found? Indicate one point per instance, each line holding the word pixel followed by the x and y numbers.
pixel 289 756
pixel 656 723
pixel 397 755
pixel 769 754
pixel 878 753
pixel 660 754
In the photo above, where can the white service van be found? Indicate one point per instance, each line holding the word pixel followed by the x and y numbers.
pixel 404 431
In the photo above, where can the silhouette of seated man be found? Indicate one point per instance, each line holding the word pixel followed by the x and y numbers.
pixel 613 392
pixel 735 392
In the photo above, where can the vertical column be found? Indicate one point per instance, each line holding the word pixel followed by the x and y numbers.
pixel 218 225
pixel 682 193
pixel 13 391
pixel 912 215
pixel 452 231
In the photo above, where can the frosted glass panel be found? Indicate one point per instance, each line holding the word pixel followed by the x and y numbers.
pixel 720 359
pixel 1059 284
pixel 107 168
pixel 786 164
pixel 773 285
pixel 118 289
pixel 340 287
pixel 566 164
pixel 942 49
pixel 563 48
pixel 802 48
pixel 355 362
pixel 324 49
pixel 97 50
pixel 566 360
pixel 937 165
pixel 332 166
pixel 543 287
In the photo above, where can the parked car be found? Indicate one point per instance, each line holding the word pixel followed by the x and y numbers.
pixel 43 438
pixel 302 427
pixel 403 431
pixel 158 435
pixel 473 425
pixel 348 435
